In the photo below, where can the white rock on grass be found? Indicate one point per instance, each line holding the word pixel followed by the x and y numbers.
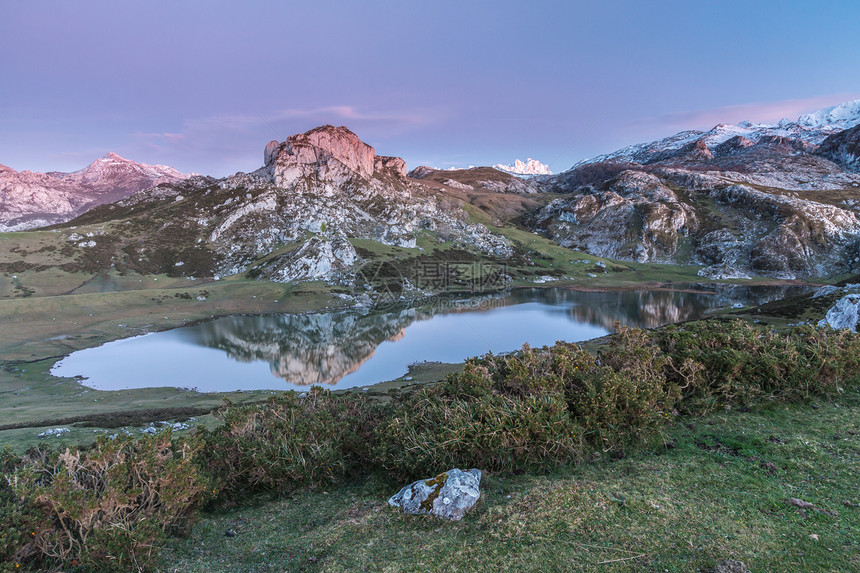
pixel 54 433
pixel 844 314
pixel 447 496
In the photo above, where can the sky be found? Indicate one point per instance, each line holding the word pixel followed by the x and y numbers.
pixel 203 86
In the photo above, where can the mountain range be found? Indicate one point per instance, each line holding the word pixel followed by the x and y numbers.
pixel 741 200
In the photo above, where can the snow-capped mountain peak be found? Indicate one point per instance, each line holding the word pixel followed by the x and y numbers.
pixel 842 116
pixel 529 167
pixel 812 128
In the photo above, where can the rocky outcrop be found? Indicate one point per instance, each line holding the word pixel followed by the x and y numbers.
pixel 634 217
pixel 29 200
pixel 843 148
pixel 305 153
pixel 735 231
pixel 744 200
pixel 317 258
pixel 844 315
pixel 392 165
pixel 447 496
pixel 329 184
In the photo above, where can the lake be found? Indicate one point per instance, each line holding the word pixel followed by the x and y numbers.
pixel 345 349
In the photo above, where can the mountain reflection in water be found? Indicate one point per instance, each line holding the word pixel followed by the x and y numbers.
pixel 358 347
pixel 306 348
pixel 323 348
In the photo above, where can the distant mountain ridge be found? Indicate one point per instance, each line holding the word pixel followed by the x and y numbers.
pixel 744 200
pixel 32 199
pixel 811 128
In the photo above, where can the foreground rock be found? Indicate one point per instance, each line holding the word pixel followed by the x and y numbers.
pixel 448 496
pixel 844 314
pixel 731 566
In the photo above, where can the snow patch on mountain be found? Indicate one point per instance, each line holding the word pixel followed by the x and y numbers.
pixel 811 128
pixel 529 167
pixel 842 116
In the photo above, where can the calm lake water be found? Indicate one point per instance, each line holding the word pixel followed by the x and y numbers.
pixel 357 348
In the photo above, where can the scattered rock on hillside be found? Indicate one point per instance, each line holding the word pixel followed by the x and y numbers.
pixel 844 314
pixel 448 496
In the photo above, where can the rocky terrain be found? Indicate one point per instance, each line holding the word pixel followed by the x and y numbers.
pixel 768 200
pixel 302 216
pixel 29 200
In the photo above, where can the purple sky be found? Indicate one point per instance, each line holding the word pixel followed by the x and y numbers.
pixel 203 86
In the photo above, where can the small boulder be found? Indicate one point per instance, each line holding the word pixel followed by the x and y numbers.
pixel 448 496
pixel 844 314
pixel 731 566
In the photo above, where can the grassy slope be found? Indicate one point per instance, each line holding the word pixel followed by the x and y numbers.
pixel 720 492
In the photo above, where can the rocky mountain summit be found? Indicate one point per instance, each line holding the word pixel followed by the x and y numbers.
pixel 768 200
pixel 301 216
pixel 29 200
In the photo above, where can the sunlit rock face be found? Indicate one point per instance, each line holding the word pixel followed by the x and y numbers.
pixel 329 183
pixel 305 152
pixel 308 348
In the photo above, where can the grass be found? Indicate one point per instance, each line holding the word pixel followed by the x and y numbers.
pixel 720 491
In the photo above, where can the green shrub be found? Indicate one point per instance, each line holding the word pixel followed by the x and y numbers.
pixel 623 397
pixel 738 363
pixel 292 440
pixel 110 507
pixel 500 413
pixel 20 520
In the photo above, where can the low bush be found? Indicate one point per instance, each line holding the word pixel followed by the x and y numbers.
pixel 108 508
pixel 623 397
pixel 19 519
pixel 292 441
pixel 436 428
pixel 738 363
